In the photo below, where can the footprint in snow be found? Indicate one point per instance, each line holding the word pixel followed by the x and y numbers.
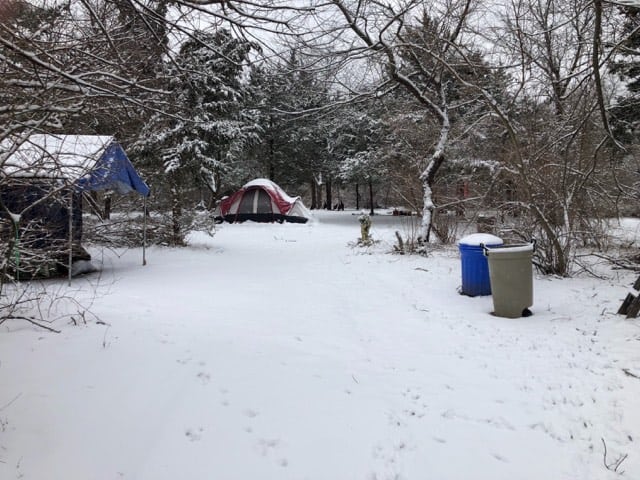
pixel 265 445
pixel 194 435
pixel 267 448
pixel 499 457
pixel 225 401
pixel 414 413
pixel 250 413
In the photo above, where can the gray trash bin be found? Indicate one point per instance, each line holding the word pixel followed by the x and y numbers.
pixel 511 277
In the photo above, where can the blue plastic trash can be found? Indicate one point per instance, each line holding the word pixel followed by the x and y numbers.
pixel 475 268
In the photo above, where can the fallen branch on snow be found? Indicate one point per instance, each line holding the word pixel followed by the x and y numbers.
pixel 630 373
pixel 33 321
pixel 613 466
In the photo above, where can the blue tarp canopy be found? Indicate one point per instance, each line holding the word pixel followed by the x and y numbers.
pixel 114 171
pixel 91 162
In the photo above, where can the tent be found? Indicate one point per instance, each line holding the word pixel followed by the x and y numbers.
pixel 43 178
pixel 261 200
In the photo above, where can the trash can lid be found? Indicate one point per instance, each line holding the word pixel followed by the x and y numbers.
pixel 477 239
pixel 524 247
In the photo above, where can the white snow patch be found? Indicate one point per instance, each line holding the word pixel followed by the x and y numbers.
pixel 200 239
pixel 283 353
pixel 528 247
pixel 477 239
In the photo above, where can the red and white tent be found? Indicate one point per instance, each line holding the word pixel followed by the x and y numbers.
pixel 261 200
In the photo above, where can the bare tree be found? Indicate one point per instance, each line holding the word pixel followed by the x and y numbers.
pixel 384 47
pixel 556 151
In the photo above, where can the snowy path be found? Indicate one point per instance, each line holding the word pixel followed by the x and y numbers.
pixel 282 353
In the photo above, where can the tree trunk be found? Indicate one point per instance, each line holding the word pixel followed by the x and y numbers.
pixel 328 194
pixel 107 207
pixel 357 196
pixel 428 178
pixel 319 196
pixel 13 249
pixel 176 213
pixel 314 197
pixel 371 197
pixel 272 163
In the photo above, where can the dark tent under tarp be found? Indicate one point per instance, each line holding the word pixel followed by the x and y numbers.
pixel 43 177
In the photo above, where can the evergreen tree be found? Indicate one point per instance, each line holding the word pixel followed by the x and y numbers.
pixel 293 147
pixel 356 141
pixel 206 127
pixel 136 43
pixel 626 113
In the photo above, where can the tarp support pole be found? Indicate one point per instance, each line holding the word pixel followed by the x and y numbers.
pixel 16 249
pixel 144 231
pixel 70 235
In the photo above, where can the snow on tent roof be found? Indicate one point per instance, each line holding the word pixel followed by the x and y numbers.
pixel 92 162
pixel 264 182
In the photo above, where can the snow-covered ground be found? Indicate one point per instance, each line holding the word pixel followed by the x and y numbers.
pixel 283 352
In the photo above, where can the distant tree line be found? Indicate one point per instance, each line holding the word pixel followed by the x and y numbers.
pixel 525 112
